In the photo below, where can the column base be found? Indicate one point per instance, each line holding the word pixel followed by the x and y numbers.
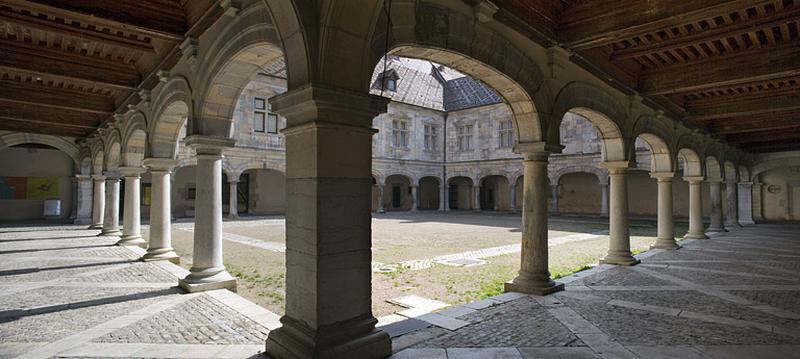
pixel 620 259
pixel 111 233
pixel 747 223
pixel 540 288
pixel 233 216
pixel 352 339
pixel 95 226
pixel 201 280
pixel 665 244
pixel 135 240
pixel 82 221
pixel 716 229
pixel 163 254
pixel 381 210
pixel 695 236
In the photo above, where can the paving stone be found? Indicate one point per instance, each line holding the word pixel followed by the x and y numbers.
pixel 147 272
pixel 404 326
pixel 483 353
pixel 558 353
pixel 662 352
pixel 428 353
pixel 620 276
pixel 199 320
pixel 443 321
pixel 519 323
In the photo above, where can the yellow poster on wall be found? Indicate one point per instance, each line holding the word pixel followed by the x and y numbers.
pixel 42 187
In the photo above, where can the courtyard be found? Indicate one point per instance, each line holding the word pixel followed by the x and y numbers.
pixel 453 258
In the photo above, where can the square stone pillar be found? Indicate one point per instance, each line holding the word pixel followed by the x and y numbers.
pixel 666 227
pixel 83 213
pixel 604 199
pixel 159 246
pixel 111 215
pixel 131 217
pixel 328 226
pixel 758 211
pixel 208 271
pixel 695 208
pixel 619 247
pixel 732 216
pixel 715 193
pixel 381 209
pixel 233 199
pixel 746 203
pixel 513 189
pixel 534 275
pixel 553 198
pixel 414 197
pixel 442 196
pixel 476 198
pixel 98 202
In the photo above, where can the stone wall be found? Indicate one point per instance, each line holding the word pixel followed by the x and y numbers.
pixel 36 162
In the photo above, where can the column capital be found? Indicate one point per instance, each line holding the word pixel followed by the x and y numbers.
pixel 536 151
pixel 714 180
pixel 693 179
pixel 663 176
pixel 160 164
pixel 616 166
pixel 83 177
pixel 323 103
pixel 745 183
pixel 209 145
pixel 98 177
pixel 131 171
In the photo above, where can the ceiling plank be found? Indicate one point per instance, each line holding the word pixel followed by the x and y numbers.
pixel 35 95
pixel 24 125
pixel 48 115
pixel 739 106
pixel 33 22
pixel 736 29
pixel 75 71
pixel 596 24
pixel 716 72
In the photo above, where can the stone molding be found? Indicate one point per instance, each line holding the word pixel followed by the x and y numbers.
pixel 322 103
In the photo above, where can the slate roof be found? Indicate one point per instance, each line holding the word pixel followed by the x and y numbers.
pixel 426 84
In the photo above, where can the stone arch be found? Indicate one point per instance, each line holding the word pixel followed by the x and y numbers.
pixel 730 171
pixel 761 167
pixel 661 160
pixel 113 151
pixel 601 109
pixel 98 159
pixel 85 166
pixel 744 173
pixel 19 138
pixel 602 176
pixel 713 169
pixel 172 109
pixel 693 166
pixel 244 46
pixel 457 40
pixel 134 141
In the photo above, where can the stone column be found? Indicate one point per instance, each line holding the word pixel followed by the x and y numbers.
pixel 604 199
pixel 534 277
pixel 328 226
pixel 73 211
pixel 98 202
pixel 746 203
pixel 758 212
pixel 476 198
pixel 666 228
pixel 414 198
pixel 695 208
pixel 554 198
pixel 732 216
pixel 208 271
pixel 131 217
pixel 83 214
pixel 381 209
pixel 111 216
pixel 233 200
pixel 619 247
pixel 715 192
pixel 442 196
pixel 513 188
pixel 160 244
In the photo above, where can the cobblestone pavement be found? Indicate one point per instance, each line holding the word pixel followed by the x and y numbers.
pixel 67 293
pixel 736 295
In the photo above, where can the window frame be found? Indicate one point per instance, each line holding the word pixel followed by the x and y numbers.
pixel 260 114
pixel 400 133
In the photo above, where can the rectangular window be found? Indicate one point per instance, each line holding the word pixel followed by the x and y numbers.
pixel 506 134
pixel 400 133
pixel 464 138
pixel 259 114
pixel 431 137
pixel 272 123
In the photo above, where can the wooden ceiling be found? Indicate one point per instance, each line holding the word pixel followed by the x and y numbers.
pixel 729 67
pixel 67 66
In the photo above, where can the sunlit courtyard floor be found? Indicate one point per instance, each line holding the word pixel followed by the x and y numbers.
pixel 453 257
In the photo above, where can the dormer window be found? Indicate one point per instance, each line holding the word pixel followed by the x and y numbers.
pixel 390 84
pixel 387 81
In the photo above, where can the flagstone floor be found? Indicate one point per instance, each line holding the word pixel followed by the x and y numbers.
pixel 66 293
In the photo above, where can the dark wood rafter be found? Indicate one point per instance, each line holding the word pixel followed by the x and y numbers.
pixel 46 96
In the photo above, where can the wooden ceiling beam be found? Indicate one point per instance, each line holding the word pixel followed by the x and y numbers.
pixel 743 106
pixel 69 71
pixel 764 136
pixel 33 22
pixel 136 16
pixel 725 130
pixel 722 73
pixel 719 33
pixel 775 147
pixel 64 99
pixel 49 115
pixel 24 125
pixel 596 24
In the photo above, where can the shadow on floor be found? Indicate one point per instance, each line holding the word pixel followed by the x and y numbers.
pixel 44 238
pixel 14 314
pixel 83 265
pixel 54 249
